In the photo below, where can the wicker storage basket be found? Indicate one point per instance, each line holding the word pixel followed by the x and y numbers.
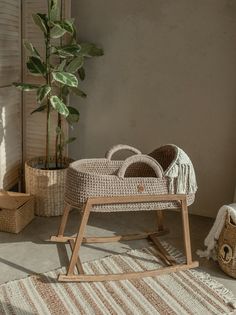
pixel 227 248
pixel 138 174
pixel 17 210
pixel 48 186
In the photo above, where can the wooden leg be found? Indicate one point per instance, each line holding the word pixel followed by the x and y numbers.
pixel 109 239
pixel 163 254
pixel 61 230
pixel 185 221
pixel 79 239
pixel 75 242
pixel 160 219
pixel 78 263
pixel 64 220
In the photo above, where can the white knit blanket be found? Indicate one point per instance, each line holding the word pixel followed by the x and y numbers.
pixel 213 236
pixel 183 171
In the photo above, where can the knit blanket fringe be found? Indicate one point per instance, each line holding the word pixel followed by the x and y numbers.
pixel 181 174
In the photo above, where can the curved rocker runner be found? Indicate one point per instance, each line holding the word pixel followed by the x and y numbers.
pixel 75 242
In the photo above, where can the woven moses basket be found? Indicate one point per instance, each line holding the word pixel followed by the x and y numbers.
pixel 227 248
pixel 166 170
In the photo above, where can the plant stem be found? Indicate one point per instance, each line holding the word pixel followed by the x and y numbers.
pixel 58 142
pixel 48 81
pixel 48 106
pixel 61 148
pixel 58 148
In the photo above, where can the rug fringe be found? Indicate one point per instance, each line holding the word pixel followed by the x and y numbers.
pixel 219 288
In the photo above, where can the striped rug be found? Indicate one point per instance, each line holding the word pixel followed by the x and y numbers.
pixel 182 293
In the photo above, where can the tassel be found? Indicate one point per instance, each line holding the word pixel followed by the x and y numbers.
pixel 182 179
pixel 192 180
pixel 171 186
pixel 183 172
pixel 172 174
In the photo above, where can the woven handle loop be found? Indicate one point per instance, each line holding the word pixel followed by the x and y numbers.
pixel 120 147
pixel 141 158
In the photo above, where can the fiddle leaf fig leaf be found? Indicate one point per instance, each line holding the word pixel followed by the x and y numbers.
pixel 74 35
pixel 59 106
pixel 39 109
pixel 25 86
pixel 75 64
pixel 41 21
pixel 30 47
pixel 65 78
pixel 72 49
pixel 90 50
pixel 69 140
pixel 42 92
pixel 36 66
pixel 67 51
pixel 81 73
pixel 66 25
pixel 78 92
pixel 62 65
pixel 65 92
pixel 53 50
pixel 73 116
pixel 54 10
pixel 57 31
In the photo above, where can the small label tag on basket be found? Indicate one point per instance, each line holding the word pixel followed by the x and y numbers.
pixel 140 188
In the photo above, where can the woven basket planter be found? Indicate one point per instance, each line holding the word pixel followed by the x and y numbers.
pixel 227 248
pixel 48 186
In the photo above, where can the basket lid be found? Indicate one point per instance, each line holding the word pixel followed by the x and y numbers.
pixel 13 200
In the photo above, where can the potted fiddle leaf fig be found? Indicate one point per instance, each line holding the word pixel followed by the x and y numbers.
pixel 61 70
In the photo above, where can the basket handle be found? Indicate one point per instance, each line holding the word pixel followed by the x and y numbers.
pixel 141 158
pixel 120 147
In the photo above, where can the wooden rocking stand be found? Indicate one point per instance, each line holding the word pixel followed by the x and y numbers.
pixel 75 242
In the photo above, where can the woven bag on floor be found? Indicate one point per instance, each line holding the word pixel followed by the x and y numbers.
pixel 227 248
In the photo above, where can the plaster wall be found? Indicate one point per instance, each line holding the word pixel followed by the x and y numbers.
pixel 168 76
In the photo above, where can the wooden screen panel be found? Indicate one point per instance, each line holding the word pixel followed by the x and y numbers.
pixel 10 41
pixel 10 98
pixel 35 125
pixel 10 133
